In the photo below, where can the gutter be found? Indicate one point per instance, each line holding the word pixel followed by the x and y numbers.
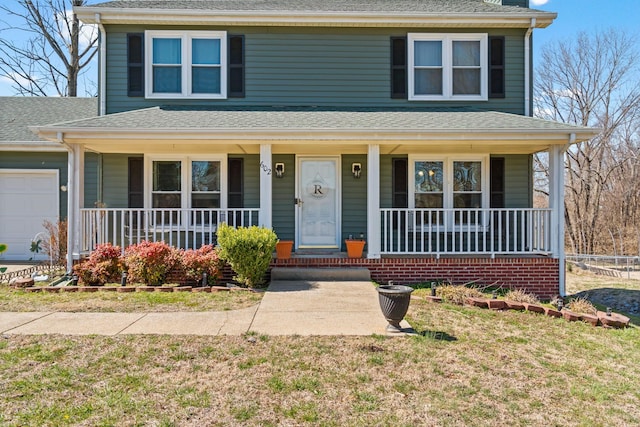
pixel 102 73
pixel 527 68
pixel 312 18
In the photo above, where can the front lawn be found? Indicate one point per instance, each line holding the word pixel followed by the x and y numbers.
pixel 468 366
pixel 20 300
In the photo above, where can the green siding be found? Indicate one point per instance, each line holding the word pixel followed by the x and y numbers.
pixel 283 207
pixel 57 160
pixel 354 197
pixel 251 169
pixel 518 192
pixel 386 179
pixel 315 66
pixel 115 176
pixel 91 181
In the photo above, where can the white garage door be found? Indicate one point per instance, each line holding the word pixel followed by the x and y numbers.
pixel 27 199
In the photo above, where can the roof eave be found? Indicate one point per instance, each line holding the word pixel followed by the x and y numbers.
pixel 370 134
pixel 90 15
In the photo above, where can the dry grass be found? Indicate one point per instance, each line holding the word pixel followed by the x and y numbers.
pixel 581 280
pixel 469 366
pixel 18 300
pixel 518 295
pixel 456 294
pixel 582 305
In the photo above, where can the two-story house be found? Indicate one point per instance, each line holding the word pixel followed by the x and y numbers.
pixel 405 122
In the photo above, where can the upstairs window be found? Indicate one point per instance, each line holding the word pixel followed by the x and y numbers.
pixel 186 64
pixel 447 67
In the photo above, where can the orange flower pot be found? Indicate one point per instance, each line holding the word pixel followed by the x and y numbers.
pixel 354 248
pixel 283 249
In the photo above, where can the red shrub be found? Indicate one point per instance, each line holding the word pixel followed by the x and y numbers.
pixel 149 262
pixel 104 265
pixel 198 261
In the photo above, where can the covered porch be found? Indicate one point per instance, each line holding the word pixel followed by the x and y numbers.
pixel 363 150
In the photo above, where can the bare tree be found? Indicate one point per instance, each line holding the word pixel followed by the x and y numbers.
pixel 57 48
pixel 590 81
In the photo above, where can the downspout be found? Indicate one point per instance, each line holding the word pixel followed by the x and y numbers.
pixel 102 73
pixel 561 254
pixel 527 68
pixel 70 196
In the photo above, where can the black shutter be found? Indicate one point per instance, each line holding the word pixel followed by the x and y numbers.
pixel 236 67
pixel 496 178
pixel 236 183
pixel 400 183
pixel 136 182
pixel 496 67
pixel 135 64
pixel 399 67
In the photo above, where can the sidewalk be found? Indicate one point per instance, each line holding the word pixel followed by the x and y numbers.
pixel 288 308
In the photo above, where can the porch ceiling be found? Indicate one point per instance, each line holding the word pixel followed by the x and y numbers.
pixel 307 130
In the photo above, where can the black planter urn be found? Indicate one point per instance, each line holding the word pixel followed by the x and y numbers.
pixel 394 302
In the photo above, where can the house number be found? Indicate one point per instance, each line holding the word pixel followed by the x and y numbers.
pixel 265 168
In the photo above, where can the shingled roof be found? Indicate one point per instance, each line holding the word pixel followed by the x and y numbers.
pixel 420 6
pixel 18 113
pixel 183 122
pixel 312 12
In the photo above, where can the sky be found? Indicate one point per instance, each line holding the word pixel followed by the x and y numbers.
pixel 574 16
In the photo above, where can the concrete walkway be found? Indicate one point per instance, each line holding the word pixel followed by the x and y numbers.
pixel 289 307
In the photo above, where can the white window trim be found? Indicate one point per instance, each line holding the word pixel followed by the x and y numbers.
pixel 448 192
pixel 186 64
pixel 185 177
pixel 447 40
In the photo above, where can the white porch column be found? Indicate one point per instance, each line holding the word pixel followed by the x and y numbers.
pixel 75 201
pixel 556 203
pixel 373 202
pixel 266 192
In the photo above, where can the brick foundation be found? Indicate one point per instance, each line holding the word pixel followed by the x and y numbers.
pixel 537 275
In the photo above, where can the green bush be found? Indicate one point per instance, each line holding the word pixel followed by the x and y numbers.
pixel 149 262
pixel 248 250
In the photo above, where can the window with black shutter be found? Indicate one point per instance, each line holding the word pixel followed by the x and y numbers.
pixel 236 67
pixel 399 67
pixel 496 67
pixel 135 64
pixel 496 177
pixel 399 183
pixel 235 183
pixel 136 182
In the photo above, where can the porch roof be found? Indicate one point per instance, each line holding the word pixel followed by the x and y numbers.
pixel 312 12
pixel 17 113
pixel 413 130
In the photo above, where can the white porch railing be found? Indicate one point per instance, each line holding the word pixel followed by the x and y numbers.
pixel 465 231
pixel 182 228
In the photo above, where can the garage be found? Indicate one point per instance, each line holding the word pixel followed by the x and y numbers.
pixel 28 198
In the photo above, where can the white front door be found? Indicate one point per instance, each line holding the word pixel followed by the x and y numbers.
pixel 318 202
